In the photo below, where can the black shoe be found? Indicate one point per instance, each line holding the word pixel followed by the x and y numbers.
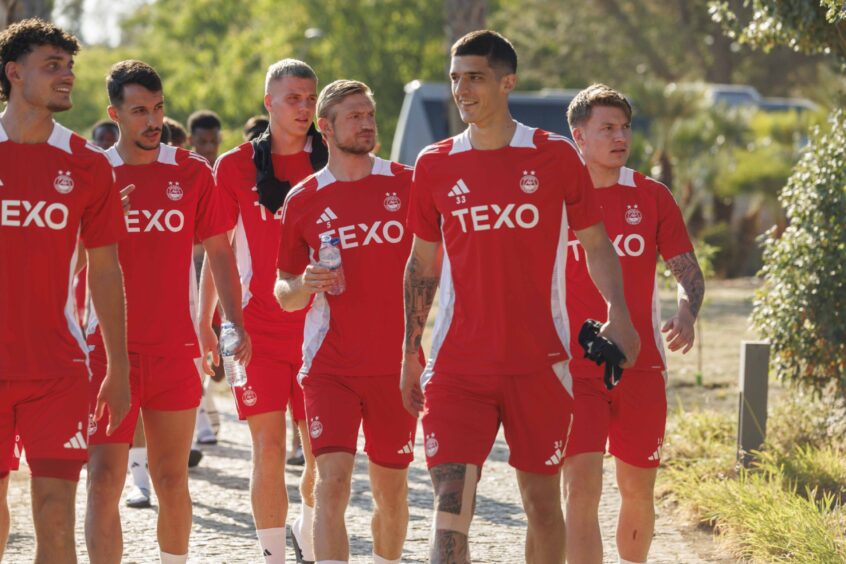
pixel 194 458
pixel 297 459
pixel 298 552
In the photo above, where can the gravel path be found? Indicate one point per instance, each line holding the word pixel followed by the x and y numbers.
pixel 223 527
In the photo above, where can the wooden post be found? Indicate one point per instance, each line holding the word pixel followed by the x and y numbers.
pixel 754 386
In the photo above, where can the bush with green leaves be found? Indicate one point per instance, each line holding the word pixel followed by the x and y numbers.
pixel 801 307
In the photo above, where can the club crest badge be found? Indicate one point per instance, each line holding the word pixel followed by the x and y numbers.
pixel 174 191
pixel 92 425
pixel 63 182
pixel 250 397
pixel 633 215
pixel 315 429
pixel 431 445
pixel 392 202
pixel 529 183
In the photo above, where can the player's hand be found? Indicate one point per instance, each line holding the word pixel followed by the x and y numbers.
pixel 412 393
pixel 244 352
pixel 114 394
pixel 680 332
pixel 620 331
pixel 318 279
pixel 208 344
pixel 124 197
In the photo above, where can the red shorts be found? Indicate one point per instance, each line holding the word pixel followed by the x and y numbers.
pixel 462 415
pixel 157 382
pixel 630 418
pixel 271 384
pixel 338 405
pixel 48 418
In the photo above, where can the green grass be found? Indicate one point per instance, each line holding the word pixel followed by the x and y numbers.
pixel 785 508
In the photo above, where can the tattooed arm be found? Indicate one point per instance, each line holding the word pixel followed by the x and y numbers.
pixel 421 282
pixel 680 328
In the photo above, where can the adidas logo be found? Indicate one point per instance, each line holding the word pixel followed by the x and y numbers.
pixel 327 216
pixel 266 553
pixel 408 448
pixel 557 454
pixel 77 442
pixel 656 456
pixel 459 189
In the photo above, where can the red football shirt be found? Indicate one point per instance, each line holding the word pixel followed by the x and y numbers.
pixel 359 332
pixel 50 194
pixel 174 201
pixel 642 219
pixel 503 217
pixel 257 243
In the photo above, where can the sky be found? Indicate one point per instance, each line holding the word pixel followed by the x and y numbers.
pixel 100 19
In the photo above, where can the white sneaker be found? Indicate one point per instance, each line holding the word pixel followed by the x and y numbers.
pixel 138 498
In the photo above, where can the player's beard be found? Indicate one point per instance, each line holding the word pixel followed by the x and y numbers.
pixel 356 147
pixel 59 107
pixel 150 147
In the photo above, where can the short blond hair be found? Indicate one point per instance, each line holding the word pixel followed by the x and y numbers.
pixel 334 93
pixel 595 95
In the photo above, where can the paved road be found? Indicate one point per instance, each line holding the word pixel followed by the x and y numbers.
pixel 223 528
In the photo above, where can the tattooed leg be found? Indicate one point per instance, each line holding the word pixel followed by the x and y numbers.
pixel 455 503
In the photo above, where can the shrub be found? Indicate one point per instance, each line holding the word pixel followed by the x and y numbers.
pixel 801 308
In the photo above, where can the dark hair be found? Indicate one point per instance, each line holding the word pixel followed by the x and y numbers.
pixel 255 126
pixel 486 43
pixel 19 39
pixel 178 135
pixel 107 123
pixel 595 95
pixel 131 72
pixel 165 136
pixel 203 119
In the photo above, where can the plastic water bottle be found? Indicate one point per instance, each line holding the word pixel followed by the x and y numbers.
pixel 330 257
pixel 236 373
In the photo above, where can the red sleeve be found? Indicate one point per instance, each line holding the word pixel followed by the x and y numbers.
pixel 423 217
pixel 210 220
pixel 293 255
pixel 102 219
pixel 582 209
pixel 227 180
pixel 672 238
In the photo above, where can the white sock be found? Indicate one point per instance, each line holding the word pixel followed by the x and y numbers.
pixel 203 423
pixel 138 468
pixel 272 544
pixel 303 530
pixel 379 560
pixel 624 561
pixel 167 558
pixel 211 409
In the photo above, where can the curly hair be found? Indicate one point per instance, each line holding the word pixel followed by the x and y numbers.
pixel 19 40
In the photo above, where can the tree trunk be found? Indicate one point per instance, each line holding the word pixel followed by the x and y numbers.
pixel 12 11
pixel 460 18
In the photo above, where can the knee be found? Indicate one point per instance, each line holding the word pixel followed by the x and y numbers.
pixel 332 489
pixel 636 490
pixel 170 484
pixel 392 501
pixel 583 496
pixel 268 450
pixel 543 509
